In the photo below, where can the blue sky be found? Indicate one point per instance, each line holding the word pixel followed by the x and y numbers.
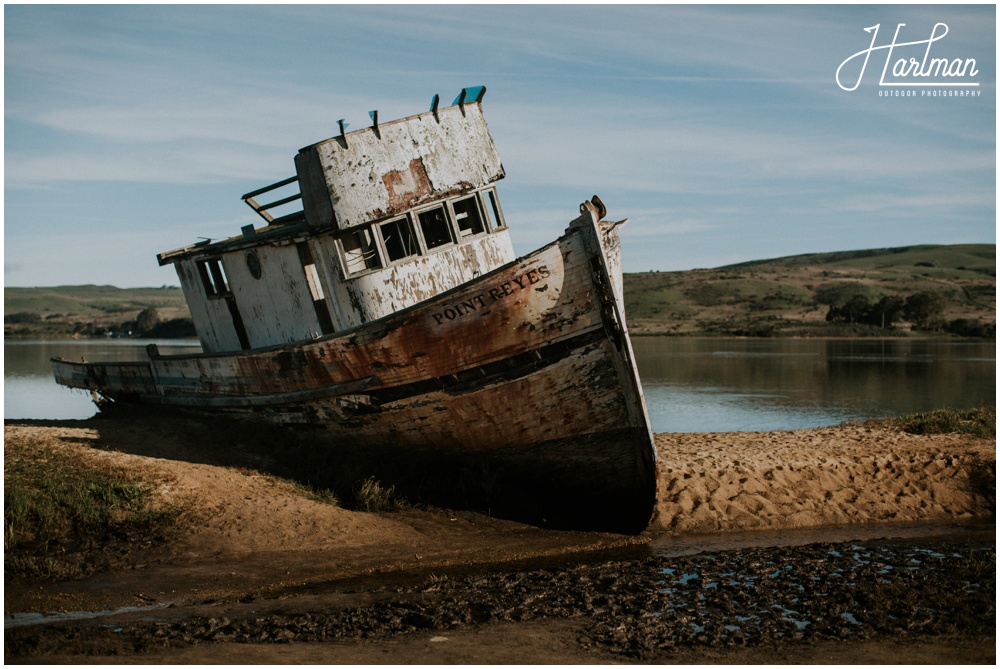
pixel 719 131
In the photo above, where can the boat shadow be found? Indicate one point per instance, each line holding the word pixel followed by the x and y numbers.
pixel 363 478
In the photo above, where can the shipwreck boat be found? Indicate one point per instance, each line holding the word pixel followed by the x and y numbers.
pixel 391 312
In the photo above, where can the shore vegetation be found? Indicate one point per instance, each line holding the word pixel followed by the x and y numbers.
pixel 58 508
pixel 978 422
pixel 940 291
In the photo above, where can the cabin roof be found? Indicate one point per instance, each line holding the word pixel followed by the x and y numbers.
pixel 375 172
pixel 251 237
pixel 385 169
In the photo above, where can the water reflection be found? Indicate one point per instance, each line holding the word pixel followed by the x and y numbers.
pixel 30 390
pixel 705 385
pixel 691 385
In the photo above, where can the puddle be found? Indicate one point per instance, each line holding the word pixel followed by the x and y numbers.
pixel 25 619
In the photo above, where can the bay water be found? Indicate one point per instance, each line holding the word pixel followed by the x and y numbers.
pixel 691 385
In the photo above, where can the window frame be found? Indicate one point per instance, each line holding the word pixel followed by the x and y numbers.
pixel 488 207
pixel 490 203
pixel 418 250
pixel 483 222
pixel 214 279
pixel 448 222
pixel 376 245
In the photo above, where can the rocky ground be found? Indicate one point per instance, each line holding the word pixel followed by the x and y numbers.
pixel 265 573
pixel 934 596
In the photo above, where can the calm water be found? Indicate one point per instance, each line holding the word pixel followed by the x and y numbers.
pixel 31 392
pixel 691 385
pixel 706 385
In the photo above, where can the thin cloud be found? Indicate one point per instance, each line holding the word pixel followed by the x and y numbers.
pixel 701 124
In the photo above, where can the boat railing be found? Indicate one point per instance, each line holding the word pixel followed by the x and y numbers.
pixel 263 209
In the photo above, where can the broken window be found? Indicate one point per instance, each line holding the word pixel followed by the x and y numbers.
pixel 398 239
pixel 493 212
pixel 360 251
pixel 434 225
pixel 213 277
pixel 312 279
pixel 315 287
pixel 467 215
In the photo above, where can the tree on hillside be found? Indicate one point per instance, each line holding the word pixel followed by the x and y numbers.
pixel 146 320
pixel 922 309
pixel 840 293
pixel 887 311
pixel 22 317
pixel 884 313
pixel 972 327
pixel 855 310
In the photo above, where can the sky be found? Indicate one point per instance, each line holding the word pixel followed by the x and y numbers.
pixel 723 133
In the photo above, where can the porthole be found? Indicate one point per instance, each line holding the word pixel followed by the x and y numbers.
pixel 253 264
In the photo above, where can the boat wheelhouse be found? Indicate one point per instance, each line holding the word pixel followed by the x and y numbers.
pixel 392 215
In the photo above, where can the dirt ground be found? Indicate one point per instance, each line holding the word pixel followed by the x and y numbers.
pixel 536 642
pixel 253 545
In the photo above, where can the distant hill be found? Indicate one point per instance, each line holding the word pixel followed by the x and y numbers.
pixel 89 310
pixel 793 296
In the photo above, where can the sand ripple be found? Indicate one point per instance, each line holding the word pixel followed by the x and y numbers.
pixel 772 480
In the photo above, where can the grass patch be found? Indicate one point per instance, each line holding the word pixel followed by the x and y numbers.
pixel 60 509
pixel 979 422
pixel 371 495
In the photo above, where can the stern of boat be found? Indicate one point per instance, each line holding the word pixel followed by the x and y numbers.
pixel 110 380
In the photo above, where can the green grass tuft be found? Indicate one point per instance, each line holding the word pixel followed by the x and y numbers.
pixel 370 495
pixel 979 422
pixel 56 503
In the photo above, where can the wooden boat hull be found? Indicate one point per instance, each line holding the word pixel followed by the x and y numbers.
pixel 528 367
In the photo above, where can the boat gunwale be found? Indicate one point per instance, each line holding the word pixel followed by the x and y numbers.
pixel 370 385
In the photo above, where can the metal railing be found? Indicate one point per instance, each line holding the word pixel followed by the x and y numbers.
pixel 262 209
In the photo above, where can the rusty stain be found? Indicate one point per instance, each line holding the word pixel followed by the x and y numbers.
pixel 407 187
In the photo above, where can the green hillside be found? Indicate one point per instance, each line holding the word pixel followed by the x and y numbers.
pixel 62 311
pixel 793 296
pixel 877 292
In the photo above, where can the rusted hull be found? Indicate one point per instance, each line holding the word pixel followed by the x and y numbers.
pixel 528 367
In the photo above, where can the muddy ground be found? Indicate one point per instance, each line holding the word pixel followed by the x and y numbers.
pixel 264 573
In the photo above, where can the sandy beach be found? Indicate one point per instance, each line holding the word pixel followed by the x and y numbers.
pixel 807 478
pixel 250 540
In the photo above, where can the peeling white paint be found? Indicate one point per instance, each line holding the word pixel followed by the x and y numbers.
pixel 365 176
